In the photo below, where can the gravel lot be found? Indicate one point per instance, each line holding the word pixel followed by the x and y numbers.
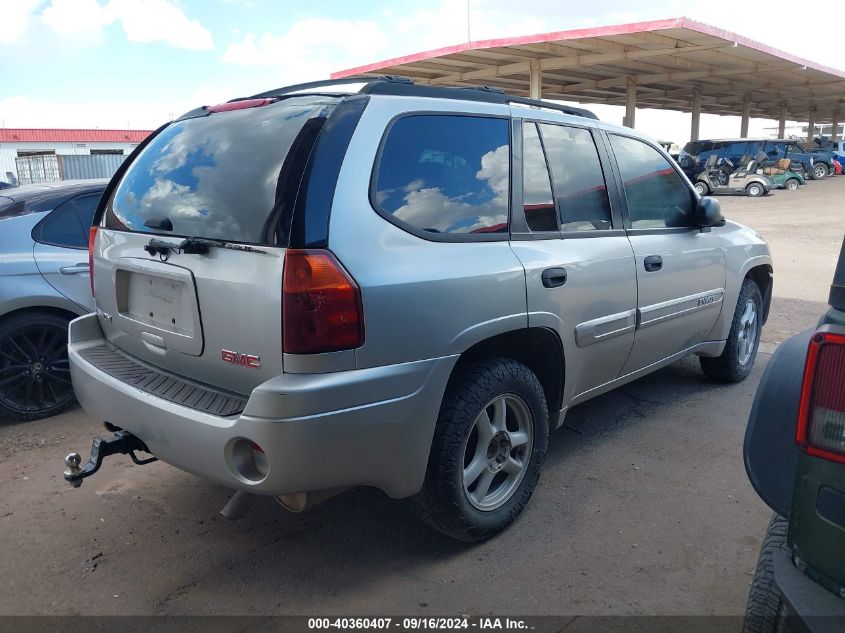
pixel 643 508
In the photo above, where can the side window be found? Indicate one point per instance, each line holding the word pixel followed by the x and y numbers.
pixel 85 208
pixel 446 174
pixel 537 198
pixel 63 228
pixel 657 195
pixel 578 178
pixel 775 151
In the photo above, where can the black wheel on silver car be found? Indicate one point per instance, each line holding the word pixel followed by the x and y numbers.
pixel 755 190
pixel 792 184
pixel 819 171
pixel 701 188
pixel 737 359
pixel 34 368
pixel 487 452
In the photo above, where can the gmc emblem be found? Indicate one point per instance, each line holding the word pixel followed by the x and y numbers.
pixel 244 360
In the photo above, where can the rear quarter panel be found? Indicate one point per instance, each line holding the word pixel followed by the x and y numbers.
pixel 422 299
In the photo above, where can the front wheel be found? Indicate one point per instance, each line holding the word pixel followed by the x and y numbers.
pixel 792 184
pixel 702 188
pixel 34 368
pixel 819 171
pixel 755 190
pixel 737 359
pixel 488 449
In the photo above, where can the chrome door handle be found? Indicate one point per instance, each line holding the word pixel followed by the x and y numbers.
pixel 77 269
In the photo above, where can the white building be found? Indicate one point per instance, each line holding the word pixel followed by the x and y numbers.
pixel 21 143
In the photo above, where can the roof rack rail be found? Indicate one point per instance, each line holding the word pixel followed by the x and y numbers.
pixel 327 83
pixel 539 103
pixel 403 86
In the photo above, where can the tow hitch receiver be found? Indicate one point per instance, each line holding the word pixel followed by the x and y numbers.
pixel 122 442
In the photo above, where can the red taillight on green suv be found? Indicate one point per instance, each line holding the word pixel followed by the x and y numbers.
pixel 321 302
pixel 821 417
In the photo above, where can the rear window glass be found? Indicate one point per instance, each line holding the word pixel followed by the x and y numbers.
pixel 215 176
pixel 446 174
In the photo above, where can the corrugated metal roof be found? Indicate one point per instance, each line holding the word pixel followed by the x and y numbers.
pixel 666 60
pixel 52 135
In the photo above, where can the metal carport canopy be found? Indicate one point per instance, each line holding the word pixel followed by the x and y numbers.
pixel 676 64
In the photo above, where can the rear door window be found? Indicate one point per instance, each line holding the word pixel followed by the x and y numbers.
pixel 67 225
pixel 578 178
pixel 445 174
pixel 217 176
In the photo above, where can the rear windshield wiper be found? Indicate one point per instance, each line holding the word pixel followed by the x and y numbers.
pixel 194 246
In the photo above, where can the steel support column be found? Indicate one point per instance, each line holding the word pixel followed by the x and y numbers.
pixel 535 80
pixel 746 116
pixel 811 124
pixel 696 114
pixel 834 133
pixel 630 102
pixel 782 121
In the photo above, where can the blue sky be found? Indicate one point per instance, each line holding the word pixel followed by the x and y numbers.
pixel 136 63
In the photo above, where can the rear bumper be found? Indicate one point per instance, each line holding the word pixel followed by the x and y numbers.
pixel 366 427
pixel 817 609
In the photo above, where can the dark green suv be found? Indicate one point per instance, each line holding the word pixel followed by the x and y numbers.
pixel 795 458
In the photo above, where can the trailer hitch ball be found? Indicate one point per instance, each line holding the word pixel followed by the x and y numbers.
pixel 72 461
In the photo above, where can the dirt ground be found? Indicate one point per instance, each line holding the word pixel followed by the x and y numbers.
pixel 643 507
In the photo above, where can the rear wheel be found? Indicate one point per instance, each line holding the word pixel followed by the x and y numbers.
pixel 765 611
pixel 34 367
pixel 702 188
pixel 755 190
pixel 792 184
pixel 737 359
pixel 487 452
pixel 819 171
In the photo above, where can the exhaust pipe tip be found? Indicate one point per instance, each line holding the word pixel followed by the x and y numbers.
pixel 238 505
pixel 300 501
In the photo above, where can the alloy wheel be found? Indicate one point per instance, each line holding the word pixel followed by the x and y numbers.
pixel 497 451
pixel 34 369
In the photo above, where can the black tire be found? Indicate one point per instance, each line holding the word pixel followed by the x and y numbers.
pixel 755 190
pixel 443 503
pixel 34 368
pixel 702 188
pixel 765 611
pixel 792 184
pixel 733 365
pixel 819 171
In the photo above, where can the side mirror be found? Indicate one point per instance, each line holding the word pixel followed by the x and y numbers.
pixel 708 212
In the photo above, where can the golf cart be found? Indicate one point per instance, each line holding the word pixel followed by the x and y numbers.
pixel 720 175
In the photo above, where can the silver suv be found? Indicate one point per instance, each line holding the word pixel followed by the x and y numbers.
pixel 396 286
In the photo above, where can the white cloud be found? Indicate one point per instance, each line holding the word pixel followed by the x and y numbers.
pixel 311 48
pixel 142 21
pixel 16 15
pixel 160 20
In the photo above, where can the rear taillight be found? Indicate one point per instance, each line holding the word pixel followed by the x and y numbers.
pixel 322 309
pixel 92 238
pixel 821 416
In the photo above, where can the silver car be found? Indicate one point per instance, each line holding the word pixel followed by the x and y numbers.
pixel 397 286
pixel 44 283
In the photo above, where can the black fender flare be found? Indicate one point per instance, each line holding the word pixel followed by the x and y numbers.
pixel 769 450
